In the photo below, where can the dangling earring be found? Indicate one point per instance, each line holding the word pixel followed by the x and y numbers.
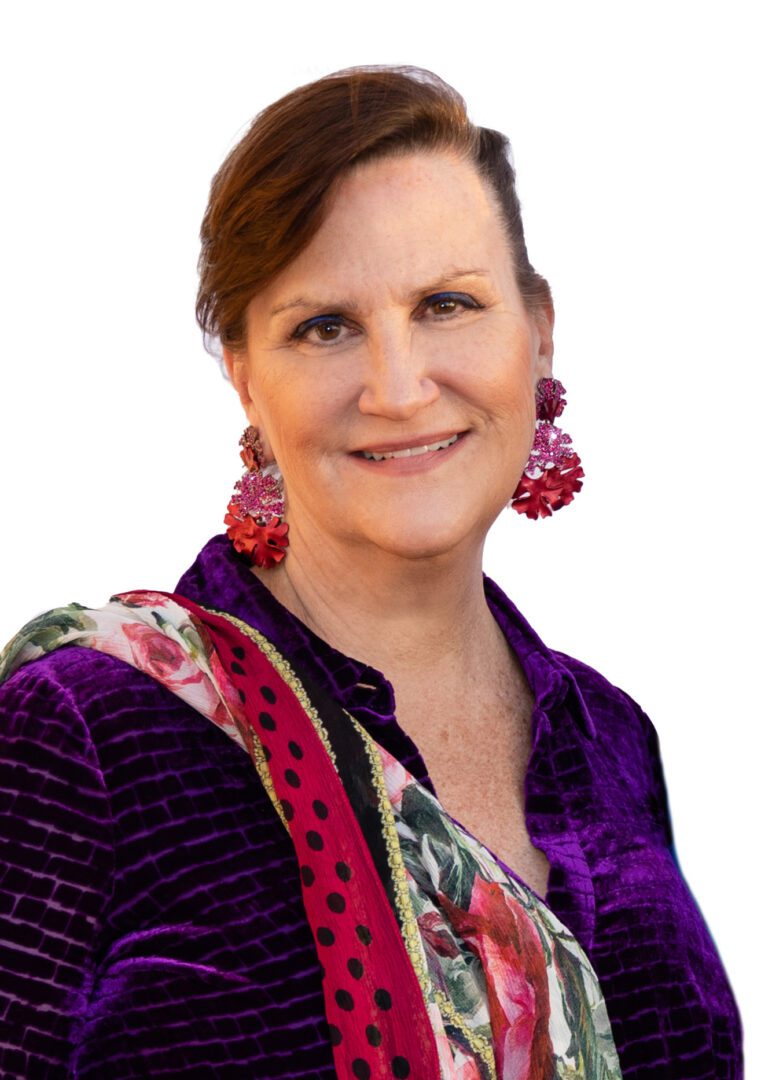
pixel 553 473
pixel 257 506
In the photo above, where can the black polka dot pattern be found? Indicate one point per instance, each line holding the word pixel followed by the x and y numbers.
pixel 327 867
pixel 382 999
pixel 344 1000
pixel 267 721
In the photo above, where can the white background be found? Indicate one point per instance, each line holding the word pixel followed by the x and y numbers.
pixel 641 140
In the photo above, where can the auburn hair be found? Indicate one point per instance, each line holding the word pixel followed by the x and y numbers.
pixel 268 198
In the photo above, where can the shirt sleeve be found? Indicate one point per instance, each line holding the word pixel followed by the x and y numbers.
pixel 56 872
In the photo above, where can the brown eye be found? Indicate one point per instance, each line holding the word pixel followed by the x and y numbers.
pixel 322 330
pixel 446 306
pixel 327 331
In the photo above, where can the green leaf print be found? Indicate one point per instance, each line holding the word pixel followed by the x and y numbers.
pixel 43 634
pixel 456 866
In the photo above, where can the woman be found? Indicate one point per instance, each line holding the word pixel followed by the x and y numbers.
pixel 456 857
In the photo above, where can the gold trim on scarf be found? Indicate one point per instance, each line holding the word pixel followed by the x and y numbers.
pixel 407 919
pixel 261 764
pixel 284 670
pixel 408 922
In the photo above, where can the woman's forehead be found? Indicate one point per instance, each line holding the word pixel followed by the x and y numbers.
pixel 387 189
pixel 397 225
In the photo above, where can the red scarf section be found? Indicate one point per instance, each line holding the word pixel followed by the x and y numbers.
pixel 379 1026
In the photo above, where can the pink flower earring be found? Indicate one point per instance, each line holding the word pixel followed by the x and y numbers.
pixel 257 507
pixel 553 473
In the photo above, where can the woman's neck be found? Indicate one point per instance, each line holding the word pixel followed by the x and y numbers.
pixel 401 616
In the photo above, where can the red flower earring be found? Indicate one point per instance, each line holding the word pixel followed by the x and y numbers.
pixel 553 473
pixel 257 507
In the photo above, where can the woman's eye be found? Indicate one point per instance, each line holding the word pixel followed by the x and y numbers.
pixel 326 331
pixel 320 331
pixel 449 303
pixel 443 307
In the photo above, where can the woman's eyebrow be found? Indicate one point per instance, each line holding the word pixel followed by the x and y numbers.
pixel 452 275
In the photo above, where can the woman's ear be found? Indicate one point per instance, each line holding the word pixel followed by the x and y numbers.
pixel 237 365
pixel 544 322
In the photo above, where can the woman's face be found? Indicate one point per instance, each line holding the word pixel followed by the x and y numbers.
pixel 400 326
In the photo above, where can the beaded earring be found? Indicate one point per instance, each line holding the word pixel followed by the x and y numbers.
pixel 553 473
pixel 257 507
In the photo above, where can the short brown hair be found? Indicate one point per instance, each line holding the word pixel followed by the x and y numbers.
pixel 268 198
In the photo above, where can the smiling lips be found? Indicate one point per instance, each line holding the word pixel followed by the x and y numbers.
pixel 409 451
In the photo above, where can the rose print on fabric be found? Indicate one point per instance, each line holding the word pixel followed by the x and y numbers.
pixel 159 656
pixel 518 995
pixel 512 960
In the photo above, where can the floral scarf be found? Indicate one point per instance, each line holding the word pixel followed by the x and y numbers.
pixel 437 962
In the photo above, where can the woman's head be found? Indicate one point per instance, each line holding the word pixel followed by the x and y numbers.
pixel 381 302
pixel 269 196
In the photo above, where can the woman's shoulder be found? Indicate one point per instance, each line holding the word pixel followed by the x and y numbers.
pixel 83 702
pixel 608 702
pixel 608 706
pixel 96 730
pixel 73 676
pixel 64 717
pixel 624 735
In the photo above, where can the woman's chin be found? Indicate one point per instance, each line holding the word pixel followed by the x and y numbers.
pixel 422 539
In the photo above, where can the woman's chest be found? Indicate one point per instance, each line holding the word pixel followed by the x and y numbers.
pixel 478 772
pixel 488 803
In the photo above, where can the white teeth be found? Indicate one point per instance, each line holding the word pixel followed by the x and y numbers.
pixel 412 451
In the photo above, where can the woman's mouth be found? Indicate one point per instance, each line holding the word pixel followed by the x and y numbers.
pixel 412 451
pixel 406 460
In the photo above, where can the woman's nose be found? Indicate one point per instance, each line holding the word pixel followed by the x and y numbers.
pixel 397 383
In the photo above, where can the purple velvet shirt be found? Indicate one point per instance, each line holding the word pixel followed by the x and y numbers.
pixel 151 920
